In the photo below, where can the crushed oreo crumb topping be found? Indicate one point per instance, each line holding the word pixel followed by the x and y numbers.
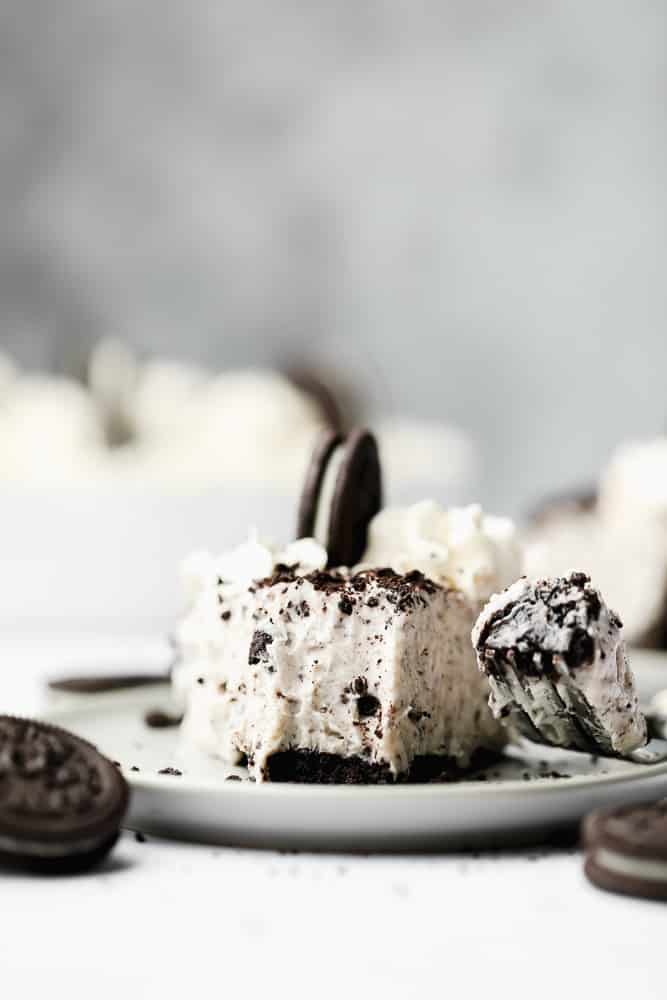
pixel 367 705
pixel 570 606
pixel 258 647
pixel 403 592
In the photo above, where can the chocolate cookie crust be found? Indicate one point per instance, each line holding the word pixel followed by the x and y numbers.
pixel 310 767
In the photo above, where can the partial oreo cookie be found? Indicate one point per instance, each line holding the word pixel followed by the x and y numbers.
pixel 341 495
pixel 356 500
pixel 61 801
pixel 324 449
pixel 626 849
pixel 312 384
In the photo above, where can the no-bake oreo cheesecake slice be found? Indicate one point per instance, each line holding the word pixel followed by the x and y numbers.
pixel 329 674
pixel 356 677
pixel 555 659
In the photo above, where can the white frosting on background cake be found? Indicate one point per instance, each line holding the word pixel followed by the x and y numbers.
pixel 49 431
pixel 634 483
pixel 621 542
pixel 627 563
pixel 180 426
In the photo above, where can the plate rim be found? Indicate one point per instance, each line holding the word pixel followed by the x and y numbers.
pixel 93 704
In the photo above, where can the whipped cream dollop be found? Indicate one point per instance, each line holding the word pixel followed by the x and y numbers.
pixel 236 569
pixel 213 582
pixel 478 553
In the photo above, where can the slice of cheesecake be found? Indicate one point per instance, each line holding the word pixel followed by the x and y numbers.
pixel 330 676
pixel 374 669
pixel 555 659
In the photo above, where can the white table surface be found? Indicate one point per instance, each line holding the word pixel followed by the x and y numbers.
pixel 161 919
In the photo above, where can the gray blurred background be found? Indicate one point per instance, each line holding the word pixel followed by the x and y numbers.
pixel 459 204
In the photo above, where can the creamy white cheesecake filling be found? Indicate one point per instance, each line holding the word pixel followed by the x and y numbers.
pixel 412 664
pixel 383 672
pixel 382 678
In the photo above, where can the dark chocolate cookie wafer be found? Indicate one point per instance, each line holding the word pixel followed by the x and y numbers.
pixel 626 849
pixel 356 500
pixel 324 449
pixel 61 801
pixel 312 384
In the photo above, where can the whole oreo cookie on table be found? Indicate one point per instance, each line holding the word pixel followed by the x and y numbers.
pixel 341 495
pixel 61 801
pixel 626 850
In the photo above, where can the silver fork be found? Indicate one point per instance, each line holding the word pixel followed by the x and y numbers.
pixel 560 715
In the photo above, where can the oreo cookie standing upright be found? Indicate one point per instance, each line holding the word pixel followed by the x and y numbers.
pixel 61 801
pixel 342 493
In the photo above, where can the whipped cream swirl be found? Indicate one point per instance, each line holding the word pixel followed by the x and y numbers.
pixel 478 553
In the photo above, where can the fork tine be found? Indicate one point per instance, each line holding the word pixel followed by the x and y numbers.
pixel 555 723
pixel 584 716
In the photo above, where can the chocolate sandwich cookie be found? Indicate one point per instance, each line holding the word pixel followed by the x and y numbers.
pixel 326 445
pixel 626 849
pixel 341 495
pixel 61 801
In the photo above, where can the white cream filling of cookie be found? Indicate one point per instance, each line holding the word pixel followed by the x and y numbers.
pixel 325 498
pixel 621 864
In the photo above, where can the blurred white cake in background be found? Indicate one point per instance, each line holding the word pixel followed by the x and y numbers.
pixel 619 538
pixel 106 486
pixel 634 485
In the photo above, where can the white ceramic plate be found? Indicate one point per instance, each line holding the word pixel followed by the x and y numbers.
pixel 511 803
